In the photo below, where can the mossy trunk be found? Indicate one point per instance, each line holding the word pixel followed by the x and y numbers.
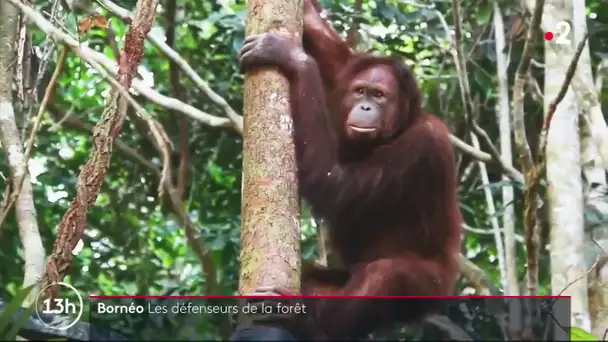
pixel 270 235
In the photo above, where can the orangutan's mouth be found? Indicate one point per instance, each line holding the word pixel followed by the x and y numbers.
pixel 363 129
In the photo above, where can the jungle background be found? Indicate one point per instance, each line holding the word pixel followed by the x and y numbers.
pixel 182 236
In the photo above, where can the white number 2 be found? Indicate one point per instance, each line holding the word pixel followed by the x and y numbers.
pixel 563 31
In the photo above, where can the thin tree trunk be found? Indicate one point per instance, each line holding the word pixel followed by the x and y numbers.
pixel 564 178
pixel 504 122
pixel 270 235
pixel 33 250
pixel 595 183
pixel 491 212
pixel 585 91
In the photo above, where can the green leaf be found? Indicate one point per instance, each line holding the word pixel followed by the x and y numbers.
pixel 496 185
pixel 467 208
pixel 7 317
pixel 578 334
pixel 19 323
pixel 218 243
pixel 483 15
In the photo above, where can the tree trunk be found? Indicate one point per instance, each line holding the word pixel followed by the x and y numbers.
pixel 589 102
pixel 564 178
pixel 25 211
pixel 506 151
pixel 595 185
pixel 270 235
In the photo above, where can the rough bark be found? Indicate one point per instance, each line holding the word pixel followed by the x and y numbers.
pixel 565 192
pixel 598 298
pixel 33 250
pixel 270 235
pixel 531 172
